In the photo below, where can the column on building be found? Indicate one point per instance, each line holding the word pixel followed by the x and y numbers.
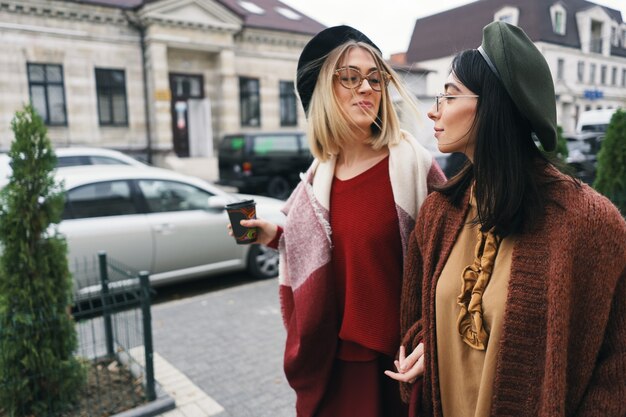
pixel 159 96
pixel 229 94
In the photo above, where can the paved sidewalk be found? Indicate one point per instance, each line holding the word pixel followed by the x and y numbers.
pixel 190 400
pixel 220 354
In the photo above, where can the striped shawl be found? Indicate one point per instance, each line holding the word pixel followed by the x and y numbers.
pixel 307 289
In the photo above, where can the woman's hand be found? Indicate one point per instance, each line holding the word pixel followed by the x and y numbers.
pixel 410 367
pixel 266 230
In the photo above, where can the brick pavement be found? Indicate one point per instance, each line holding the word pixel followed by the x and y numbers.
pixel 229 344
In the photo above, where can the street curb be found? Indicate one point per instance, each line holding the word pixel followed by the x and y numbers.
pixel 153 408
pixel 164 402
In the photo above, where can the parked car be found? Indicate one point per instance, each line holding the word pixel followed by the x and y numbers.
pixel 582 150
pixel 264 163
pixel 594 120
pixel 74 156
pixel 169 224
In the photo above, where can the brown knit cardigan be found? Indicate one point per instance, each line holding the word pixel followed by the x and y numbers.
pixel 563 346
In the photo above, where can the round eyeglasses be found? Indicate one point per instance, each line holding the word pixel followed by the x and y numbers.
pixel 351 78
pixel 442 96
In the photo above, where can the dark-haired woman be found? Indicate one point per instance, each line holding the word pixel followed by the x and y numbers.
pixel 514 297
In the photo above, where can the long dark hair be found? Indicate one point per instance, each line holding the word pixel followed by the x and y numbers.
pixel 508 168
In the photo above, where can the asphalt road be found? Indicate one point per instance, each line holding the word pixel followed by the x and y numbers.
pixel 226 335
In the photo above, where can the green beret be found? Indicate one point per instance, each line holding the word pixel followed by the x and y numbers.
pixel 525 75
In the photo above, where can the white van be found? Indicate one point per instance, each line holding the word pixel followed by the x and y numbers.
pixel 594 120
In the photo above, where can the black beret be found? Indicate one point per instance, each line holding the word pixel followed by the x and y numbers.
pixel 313 54
pixel 526 76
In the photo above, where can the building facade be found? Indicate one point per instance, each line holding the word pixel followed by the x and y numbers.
pixel 583 43
pixel 159 78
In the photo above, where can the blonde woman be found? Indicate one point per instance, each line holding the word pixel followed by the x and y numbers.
pixel 347 227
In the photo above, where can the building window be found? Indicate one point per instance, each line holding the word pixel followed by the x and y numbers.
pixel 603 74
pixel 249 102
pixel 47 92
pixel 558 16
pixel 614 76
pixel 624 78
pixel 558 23
pixel 251 7
pixel 560 67
pixel 288 108
pixel 614 39
pixel 111 89
pixel 288 13
pixel 596 37
pixel 592 74
pixel 507 14
pixel 581 71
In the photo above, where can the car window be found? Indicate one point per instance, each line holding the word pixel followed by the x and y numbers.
pixel 594 128
pixel 268 145
pixel 72 161
pixel 102 199
pixel 304 144
pixel 164 196
pixel 106 160
pixel 580 145
pixel 232 146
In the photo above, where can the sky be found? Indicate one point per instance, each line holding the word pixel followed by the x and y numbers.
pixel 389 23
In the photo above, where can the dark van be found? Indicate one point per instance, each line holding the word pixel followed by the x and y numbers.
pixel 263 162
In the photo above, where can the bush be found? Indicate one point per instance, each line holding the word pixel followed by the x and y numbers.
pixel 39 374
pixel 611 174
pixel 561 151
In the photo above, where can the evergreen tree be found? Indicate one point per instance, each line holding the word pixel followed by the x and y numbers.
pixel 611 173
pixel 561 150
pixel 39 373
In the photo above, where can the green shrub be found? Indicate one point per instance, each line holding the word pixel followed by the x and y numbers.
pixel 39 373
pixel 561 151
pixel 611 172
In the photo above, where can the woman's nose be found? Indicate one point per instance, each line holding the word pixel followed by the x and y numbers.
pixel 433 113
pixel 365 86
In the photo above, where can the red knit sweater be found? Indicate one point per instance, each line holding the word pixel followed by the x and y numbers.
pixel 366 263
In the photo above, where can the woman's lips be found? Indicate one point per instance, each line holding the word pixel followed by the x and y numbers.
pixel 365 104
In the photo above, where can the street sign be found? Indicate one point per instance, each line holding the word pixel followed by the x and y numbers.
pixel 593 94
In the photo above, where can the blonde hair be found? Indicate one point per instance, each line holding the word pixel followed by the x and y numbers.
pixel 330 128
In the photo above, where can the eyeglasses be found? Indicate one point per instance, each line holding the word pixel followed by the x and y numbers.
pixel 351 78
pixel 441 96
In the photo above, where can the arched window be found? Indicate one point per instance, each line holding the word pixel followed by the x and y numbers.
pixel 558 15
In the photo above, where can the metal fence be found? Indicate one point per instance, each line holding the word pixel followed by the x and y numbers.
pixel 113 324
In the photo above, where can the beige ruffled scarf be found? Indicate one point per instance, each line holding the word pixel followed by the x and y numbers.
pixel 473 284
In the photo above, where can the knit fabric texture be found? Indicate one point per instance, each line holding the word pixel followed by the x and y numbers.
pixel 368 276
pixel 563 344
pixel 307 286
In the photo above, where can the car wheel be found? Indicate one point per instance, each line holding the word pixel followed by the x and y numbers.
pixel 262 262
pixel 278 187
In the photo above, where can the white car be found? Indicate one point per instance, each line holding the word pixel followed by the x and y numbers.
pixel 73 156
pixel 76 155
pixel 169 224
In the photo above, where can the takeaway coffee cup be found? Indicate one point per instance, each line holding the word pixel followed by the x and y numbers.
pixel 242 210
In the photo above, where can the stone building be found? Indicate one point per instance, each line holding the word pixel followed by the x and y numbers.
pixel 583 43
pixel 164 79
